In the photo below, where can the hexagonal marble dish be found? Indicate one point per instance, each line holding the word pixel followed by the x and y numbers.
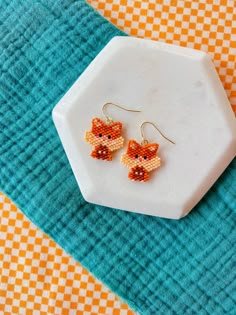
pixel 179 91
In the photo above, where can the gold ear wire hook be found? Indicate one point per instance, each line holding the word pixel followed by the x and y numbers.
pixel 109 119
pixel 144 141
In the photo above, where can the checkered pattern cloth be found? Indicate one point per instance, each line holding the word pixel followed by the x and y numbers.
pixel 37 277
pixel 158 266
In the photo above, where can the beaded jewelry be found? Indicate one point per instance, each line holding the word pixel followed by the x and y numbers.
pixel 142 158
pixel 105 137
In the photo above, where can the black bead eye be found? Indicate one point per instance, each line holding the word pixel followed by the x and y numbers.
pixel 109 137
pixel 145 157
pixel 136 156
pixel 100 135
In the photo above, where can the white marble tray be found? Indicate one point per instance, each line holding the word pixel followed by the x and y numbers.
pixel 177 89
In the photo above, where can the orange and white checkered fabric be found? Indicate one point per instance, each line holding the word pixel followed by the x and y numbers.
pixel 39 278
pixel 36 276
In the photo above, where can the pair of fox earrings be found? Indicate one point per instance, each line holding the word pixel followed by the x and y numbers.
pixel 140 158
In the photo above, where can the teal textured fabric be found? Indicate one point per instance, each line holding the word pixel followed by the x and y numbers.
pixel 158 266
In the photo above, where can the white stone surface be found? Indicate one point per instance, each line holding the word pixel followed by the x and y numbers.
pixel 175 88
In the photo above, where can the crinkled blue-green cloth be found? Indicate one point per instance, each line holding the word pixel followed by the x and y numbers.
pixel 158 266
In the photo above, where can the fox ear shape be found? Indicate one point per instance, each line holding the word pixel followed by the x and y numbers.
pixel 116 126
pixel 133 145
pixel 152 148
pixel 97 122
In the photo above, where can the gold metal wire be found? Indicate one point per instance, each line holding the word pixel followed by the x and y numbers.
pixel 144 141
pixel 108 118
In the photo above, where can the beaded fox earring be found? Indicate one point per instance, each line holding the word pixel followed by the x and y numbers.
pixel 142 158
pixel 105 136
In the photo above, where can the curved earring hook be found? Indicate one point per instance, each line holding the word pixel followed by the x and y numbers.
pixel 109 119
pixel 144 141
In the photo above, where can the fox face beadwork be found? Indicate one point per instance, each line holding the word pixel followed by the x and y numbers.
pixel 105 138
pixel 141 159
